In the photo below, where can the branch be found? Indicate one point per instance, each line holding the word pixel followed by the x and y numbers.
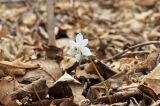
pixel 50 27
pixel 133 47
pixel 120 97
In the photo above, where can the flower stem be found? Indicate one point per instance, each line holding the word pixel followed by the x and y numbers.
pixel 101 78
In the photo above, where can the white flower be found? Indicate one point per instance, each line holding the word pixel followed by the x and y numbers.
pixel 78 49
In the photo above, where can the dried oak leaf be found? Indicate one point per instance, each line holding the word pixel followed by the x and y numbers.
pixel 16 67
pixel 49 70
pixel 63 102
pixel 7 87
pixel 44 102
pixel 156 17
pixel 68 63
pixel 70 88
pixel 146 2
pixel 10 46
pixel 152 80
pixel 53 52
pixel 139 63
pixel 11 13
pixel 34 91
pixel 29 18
pixel 86 71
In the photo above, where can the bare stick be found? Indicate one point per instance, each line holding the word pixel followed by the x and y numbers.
pixel 133 47
pixel 50 27
pixel 120 97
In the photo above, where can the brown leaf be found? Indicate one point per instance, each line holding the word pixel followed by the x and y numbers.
pixel 64 102
pixel 10 46
pixel 156 17
pixel 29 18
pixel 36 90
pixel 68 64
pixel 61 90
pixel 140 63
pixel 7 87
pixel 72 86
pixel 53 52
pixel 146 2
pixel 19 64
pixel 86 71
pixel 16 67
pixel 44 102
pixel 104 70
pixel 152 80
pixel 49 70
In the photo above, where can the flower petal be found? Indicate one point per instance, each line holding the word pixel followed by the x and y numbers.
pixel 79 38
pixel 84 42
pixel 85 51
pixel 78 57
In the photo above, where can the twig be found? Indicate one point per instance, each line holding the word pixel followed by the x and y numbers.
pixel 120 97
pixel 50 27
pixel 133 47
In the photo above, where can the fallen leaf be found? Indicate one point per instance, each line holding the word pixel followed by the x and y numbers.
pixel 7 87
pixel 86 71
pixel 16 67
pixel 10 46
pixel 60 90
pixel 36 90
pixel 74 86
pixel 68 64
pixel 146 2
pixel 29 18
pixel 64 102
pixel 49 70
pixel 44 102
pixel 53 52
pixel 152 80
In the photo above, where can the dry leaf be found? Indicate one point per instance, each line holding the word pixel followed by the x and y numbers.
pixel 35 90
pixel 146 2
pixel 10 46
pixel 7 87
pixel 75 86
pixel 49 70
pixel 86 71
pixel 16 67
pixel 29 18
pixel 68 64
pixel 152 80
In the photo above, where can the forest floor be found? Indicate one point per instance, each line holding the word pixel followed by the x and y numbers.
pixel 123 35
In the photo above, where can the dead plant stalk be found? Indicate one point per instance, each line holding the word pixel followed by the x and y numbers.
pixel 50 26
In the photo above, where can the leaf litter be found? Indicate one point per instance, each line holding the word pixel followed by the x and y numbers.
pixel 123 35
